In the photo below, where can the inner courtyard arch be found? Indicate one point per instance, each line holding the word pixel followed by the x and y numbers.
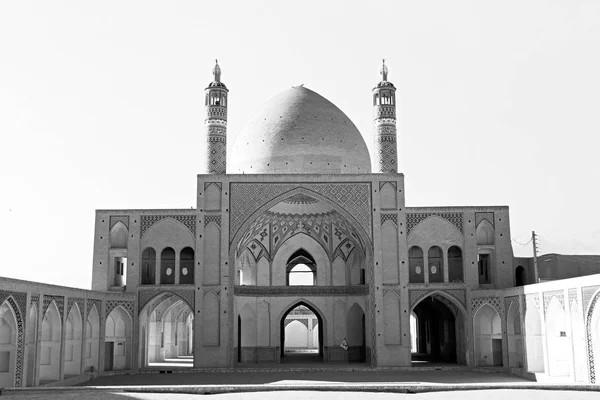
pixel 117 340
pixel 299 342
pixel 439 325
pixel 167 332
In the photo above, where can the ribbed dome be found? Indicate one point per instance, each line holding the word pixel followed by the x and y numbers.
pixel 299 132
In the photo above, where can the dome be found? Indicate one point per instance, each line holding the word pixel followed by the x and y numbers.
pixel 299 132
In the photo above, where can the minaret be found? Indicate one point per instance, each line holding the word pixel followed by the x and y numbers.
pixel 216 124
pixel 385 159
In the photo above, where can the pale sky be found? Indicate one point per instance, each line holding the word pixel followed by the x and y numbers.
pixel 101 106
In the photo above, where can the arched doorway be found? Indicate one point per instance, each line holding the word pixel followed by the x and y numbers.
pixel 440 331
pixel 117 340
pixel 297 328
pixel 167 332
pixel 487 328
pixel 356 335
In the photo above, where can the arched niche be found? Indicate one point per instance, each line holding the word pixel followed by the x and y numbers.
pixel 534 340
pixel 514 336
pixel 487 329
pixel 455 264
pixel 32 339
pixel 435 264
pixel 73 338
pixel 416 273
pixel 50 344
pixel 92 340
pixel 148 274
pixel 118 236
pixel 117 340
pixel 485 233
pixel 558 342
pixel 8 345
pixel 186 266
pixel 356 336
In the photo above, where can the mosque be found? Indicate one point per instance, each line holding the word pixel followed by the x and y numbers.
pixel 302 251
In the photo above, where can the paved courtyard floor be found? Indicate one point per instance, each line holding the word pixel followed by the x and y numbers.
pixel 293 377
pixel 288 395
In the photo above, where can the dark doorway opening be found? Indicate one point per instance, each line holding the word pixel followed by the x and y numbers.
pixel 520 279
pixel 300 327
pixel 435 333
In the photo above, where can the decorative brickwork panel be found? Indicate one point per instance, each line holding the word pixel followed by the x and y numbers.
pixel 10 299
pixel 385 112
pixel 560 296
pixel 389 217
pixel 573 297
pixel 214 112
pixel 509 302
pixel 127 305
pixel 119 218
pixel 189 220
pixel 301 291
pixel 588 292
pixel 248 198
pixel 145 295
pixel 80 303
pixel 488 216
pixel 386 156
pixel 60 304
pixel 414 219
pixel 216 154
pixel 89 303
pixel 35 301
pixel 478 302
pixel 212 218
pixel 533 299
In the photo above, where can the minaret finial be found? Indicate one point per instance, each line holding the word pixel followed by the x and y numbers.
pixel 217 71
pixel 384 71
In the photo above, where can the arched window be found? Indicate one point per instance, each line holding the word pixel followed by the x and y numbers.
pixel 455 264
pixel 167 266
pixel 485 233
pixel 301 269
pixel 436 264
pixel 484 262
pixel 186 266
pixel 149 266
pixel 415 265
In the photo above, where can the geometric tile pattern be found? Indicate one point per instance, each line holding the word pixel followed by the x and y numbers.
pixel 271 229
pixel 509 301
pixel 17 301
pixel 189 220
pixel 127 305
pixel 247 198
pixel 60 301
pixel 216 154
pixel 494 302
pixel 91 303
pixel 588 331
pixel 119 218
pixel 560 296
pixel 573 296
pixel 587 293
pixel 413 219
pixel 389 217
pixel 480 216
pixel 533 299
pixel 212 218
pixel 386 157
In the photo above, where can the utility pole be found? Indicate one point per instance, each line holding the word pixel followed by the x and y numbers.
pixel 535 262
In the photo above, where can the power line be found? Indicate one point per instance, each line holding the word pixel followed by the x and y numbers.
pixel 522 244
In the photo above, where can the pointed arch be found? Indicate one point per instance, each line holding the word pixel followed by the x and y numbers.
pixel 315 310
pixel 92 339
pixel 534 339
pixel 558 342
pixel 73 338
pixel 487 329
pixel 485 233
pixel 51 344
pixel 515 336
pixel 32 340
pixel 118 236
